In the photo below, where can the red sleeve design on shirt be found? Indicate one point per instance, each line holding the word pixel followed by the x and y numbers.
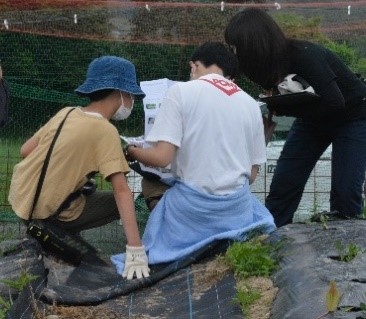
pixel 225 86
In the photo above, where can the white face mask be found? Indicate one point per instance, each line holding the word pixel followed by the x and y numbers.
pixel 123 112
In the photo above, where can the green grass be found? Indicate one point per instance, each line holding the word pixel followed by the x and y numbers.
pixel 252 258
pixel 347 252
pixel 246 297
pixel 9 156
pixel 18 284
pixel 9 150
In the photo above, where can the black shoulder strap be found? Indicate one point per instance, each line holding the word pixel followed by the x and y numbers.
pixel 45 164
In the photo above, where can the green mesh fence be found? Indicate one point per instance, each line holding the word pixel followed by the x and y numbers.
pixel 46 46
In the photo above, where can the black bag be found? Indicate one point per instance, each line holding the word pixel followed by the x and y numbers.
pixel 59 242
pixel 52 238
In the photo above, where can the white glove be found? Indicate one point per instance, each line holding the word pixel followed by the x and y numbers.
pixel 135 263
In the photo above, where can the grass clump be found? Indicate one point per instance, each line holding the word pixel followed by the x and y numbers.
pixel 246 296
pixel 18 284
pixel 5 306
pixel 21 282
pixel 347 252
pixel 250 260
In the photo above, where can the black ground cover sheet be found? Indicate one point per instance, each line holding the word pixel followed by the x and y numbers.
pixel 168 293
pixel 314 255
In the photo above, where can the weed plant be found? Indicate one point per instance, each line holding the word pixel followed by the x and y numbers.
pixel 252 258
pixel 5 306
pixel 347 253
pixel 18 284
pixel 246 297
pixel 248 259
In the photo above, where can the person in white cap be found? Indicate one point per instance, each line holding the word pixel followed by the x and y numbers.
pixel 88 143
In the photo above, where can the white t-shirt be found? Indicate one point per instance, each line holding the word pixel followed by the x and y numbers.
pixel 218 130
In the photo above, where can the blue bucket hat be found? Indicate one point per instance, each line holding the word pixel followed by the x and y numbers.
pixel 110 72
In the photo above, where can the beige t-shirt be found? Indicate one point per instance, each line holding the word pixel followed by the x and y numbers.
pixel 86 144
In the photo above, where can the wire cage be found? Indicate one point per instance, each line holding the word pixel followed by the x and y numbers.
pixel 46 46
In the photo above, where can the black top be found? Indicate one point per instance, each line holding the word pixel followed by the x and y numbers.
pixel 342 92
pixel 291 102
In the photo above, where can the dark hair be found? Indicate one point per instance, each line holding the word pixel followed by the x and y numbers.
pixel 98 95
pixel 261 46
pixel 211 53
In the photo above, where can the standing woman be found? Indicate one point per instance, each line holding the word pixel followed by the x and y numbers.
pixel 266 56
